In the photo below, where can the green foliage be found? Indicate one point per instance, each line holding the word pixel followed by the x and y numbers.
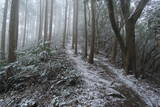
pixel 2 63
pixel 35 50
pixel 31 56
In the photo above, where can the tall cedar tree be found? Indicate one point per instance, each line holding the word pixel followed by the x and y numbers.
pixel 46 22
pixel 3 37
pixel 92 49
pixel 76 27
pixel 85 27
pixel 51 25
pixel 65 24
pixel 13 30
pixel 25 24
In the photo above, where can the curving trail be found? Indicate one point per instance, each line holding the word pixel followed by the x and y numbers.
pixel 106 86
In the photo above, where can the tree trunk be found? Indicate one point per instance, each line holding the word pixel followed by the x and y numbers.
pixel 46 22
pixel 41 21
pixel 86 31
pixel 76 28
pixel 130 21
pixel 91 55
pixel 65 25
pixel 130 63
pixel 13 30
pixel 68 22
pixel 115 26
pixel 114 50
pixel 73 34
pixel 3 36
pixel 51 25
pixel 97 37
pixel 128 49
pixel 25 25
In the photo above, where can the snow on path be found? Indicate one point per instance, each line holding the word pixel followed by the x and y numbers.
pixel 97 90
pixel 150 96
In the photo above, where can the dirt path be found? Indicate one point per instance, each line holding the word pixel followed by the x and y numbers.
pixel 104 88
pixel 150 93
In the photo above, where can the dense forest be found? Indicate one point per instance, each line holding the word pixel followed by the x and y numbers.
pixel 79 53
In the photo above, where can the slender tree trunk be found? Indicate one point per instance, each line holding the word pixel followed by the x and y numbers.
pixel 73 32
pixel 76 27
pixel 91 55
pixel 86 31
pixel 69 22
pixel 41 22
pixel 37 25
pixel 13 30
pixel 25 25
pixel 51 24
pixel 46 22
pixel 65 25
pixel 97 36
pixel 55 23
pixel 114 50
pixel 3 36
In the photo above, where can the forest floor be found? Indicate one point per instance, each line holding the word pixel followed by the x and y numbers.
pixel 61 79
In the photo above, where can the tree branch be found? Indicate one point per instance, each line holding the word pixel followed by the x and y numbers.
pixel 136 14
pixel 125 6
pixel 114 25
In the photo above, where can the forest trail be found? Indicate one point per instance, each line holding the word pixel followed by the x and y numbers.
pixel 106 86
pixel 66 80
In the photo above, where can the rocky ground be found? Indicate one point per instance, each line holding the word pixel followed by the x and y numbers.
pixel 60 79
